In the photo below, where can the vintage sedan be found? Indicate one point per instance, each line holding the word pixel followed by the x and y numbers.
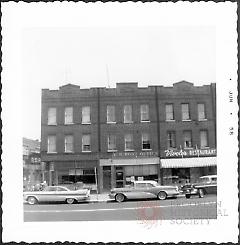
pixel 56 194
pixel 143 189
pixel 205 185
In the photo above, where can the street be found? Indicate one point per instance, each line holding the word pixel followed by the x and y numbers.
pixel 180 208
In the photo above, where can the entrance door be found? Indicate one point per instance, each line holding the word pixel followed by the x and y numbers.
pixel 119 177
pixel 106 178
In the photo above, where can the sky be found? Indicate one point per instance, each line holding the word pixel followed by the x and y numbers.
pixel 104 56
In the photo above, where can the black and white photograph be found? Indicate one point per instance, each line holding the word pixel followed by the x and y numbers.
pixel 119 122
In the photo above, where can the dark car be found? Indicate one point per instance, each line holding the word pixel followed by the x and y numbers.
pixel 205 185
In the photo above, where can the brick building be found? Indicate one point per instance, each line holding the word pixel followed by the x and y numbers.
pixel 115 135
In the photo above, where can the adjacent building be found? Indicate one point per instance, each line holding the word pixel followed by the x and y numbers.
pixel 111 136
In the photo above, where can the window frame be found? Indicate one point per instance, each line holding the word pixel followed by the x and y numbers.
pixel 55 143
pixel 125 142
pixel 84 135
pixel 66 122
pixel 125 114
pixel 142 113
pixel 146 134
pixel 65 143
pixel 108 140
pixel 166 112
pixel 207 139
pixel 48 116
pixel 184 141
pixel 89 115
pixel 114 114
pixel 205 115
pixel 189 114
pixel 168 139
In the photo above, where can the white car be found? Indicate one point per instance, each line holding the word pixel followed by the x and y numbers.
pixel 56 194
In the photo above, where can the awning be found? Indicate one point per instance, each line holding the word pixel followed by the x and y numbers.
pixel 189 162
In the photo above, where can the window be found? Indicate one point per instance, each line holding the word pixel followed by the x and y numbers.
pixel 68 115
pixel 86 115
pixel 144 113
pixel 185 112
pixel 111 113
pixel 86 143
pixel 169 112
pixel 187 139
pixel 128 142
pixel 52 116
pixel 68 143
pixel 145 142
pixel 141 185
pixel 203 138
pixel 111 142
pixel 171 139
pixel 201 112
pixel 127 114
pixel 52 144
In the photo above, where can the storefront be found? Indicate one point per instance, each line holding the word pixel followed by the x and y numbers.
pixel 123 168
pixel 184 166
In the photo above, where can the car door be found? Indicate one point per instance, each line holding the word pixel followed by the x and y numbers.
pixel 61 194
pixel 140 191
pixel 48 195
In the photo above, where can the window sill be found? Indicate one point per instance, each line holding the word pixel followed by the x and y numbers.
pixel 86 151
pixel 52 152
pixel 52 124
pixel 69 123
pixel 111 122
pixel 86 123
pixel 69 152
pixel 129 150
pixel 187 120
pixel 204 148
pixel 172 120
pixel 146 149
pixel 112 151
pixel 202 120
pixel 147 121
pixel 129 122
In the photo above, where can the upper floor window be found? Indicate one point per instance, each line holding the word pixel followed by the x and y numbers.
pixel 112 143
pixel 111 114
pixel 144 113
pixel 52 116
pixel 68 143
pixel 128 114
pixel 171 139
pixel 146 142
pixel 86 115
pixel 86 143
pixel 51 144
pixel 187 137
pixel 204 138
pixel 129 142
pixel 185 112
pixel 201 112
pixel 169 112
pixel 68 115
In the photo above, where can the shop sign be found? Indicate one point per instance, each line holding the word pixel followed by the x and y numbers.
pixel 190 152
pixel 134 154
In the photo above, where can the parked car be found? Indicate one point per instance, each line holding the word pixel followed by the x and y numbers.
pixel 56 194
pixel 205 185
pixel 143 189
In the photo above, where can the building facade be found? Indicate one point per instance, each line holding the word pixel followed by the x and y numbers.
pixel 32 171
pixel 111 136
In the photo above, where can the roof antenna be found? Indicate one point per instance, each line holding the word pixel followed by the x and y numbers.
pixel 108 80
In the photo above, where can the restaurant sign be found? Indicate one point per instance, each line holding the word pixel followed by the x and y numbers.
pixel 134 154
pixel 190 152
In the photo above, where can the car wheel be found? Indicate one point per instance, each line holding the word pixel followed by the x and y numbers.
pixel 201 193
pixel 162 195
pixel 70 200
pixel 32 200
pixel 119 197
pixel 188 196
